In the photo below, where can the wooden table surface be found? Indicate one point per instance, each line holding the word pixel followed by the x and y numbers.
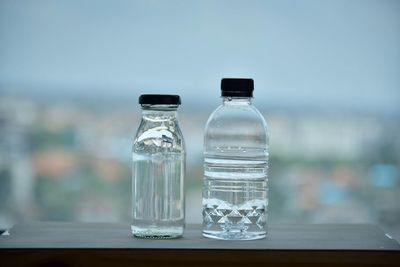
pixel 85 244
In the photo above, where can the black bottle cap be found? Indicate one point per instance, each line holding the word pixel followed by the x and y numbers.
pixel 237 87
pixel 154 99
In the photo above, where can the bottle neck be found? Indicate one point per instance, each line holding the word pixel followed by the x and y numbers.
pixel 159 113
pixel 234 100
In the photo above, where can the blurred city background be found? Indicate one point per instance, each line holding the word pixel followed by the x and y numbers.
pixel 326 76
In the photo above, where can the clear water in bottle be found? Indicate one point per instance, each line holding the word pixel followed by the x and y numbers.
pixel 235 184
pixel 158 210
pixel 235 197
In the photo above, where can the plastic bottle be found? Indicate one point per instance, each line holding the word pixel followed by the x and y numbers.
pixel 235 184
pixel 158 170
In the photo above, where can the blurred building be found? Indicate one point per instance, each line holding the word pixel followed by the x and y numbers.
pixel 16 177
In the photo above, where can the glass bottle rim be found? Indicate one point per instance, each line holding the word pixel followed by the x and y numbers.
pixel 160 107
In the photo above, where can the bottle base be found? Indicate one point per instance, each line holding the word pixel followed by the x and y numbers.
pixel 239 235
pixel 157 232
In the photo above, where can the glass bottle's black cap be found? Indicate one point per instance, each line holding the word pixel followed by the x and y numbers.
pixel 237 87
pixel 153 99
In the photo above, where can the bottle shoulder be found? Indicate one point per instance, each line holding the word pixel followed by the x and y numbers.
pixel 236 115
pixel 158 137
pixel 236 128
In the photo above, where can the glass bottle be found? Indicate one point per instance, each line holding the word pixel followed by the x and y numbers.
pixel 235 166
pixel 158 170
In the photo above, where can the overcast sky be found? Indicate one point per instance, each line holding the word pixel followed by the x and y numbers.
pixel 340 53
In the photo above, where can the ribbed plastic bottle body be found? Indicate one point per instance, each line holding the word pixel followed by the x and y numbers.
pixel 158 169
pixel 235 185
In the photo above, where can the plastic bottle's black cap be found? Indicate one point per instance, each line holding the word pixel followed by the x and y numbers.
pixel 237 87
pixel 154 99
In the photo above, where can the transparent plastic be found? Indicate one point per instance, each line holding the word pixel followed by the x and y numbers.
pixel 158 170
pixel 235 185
